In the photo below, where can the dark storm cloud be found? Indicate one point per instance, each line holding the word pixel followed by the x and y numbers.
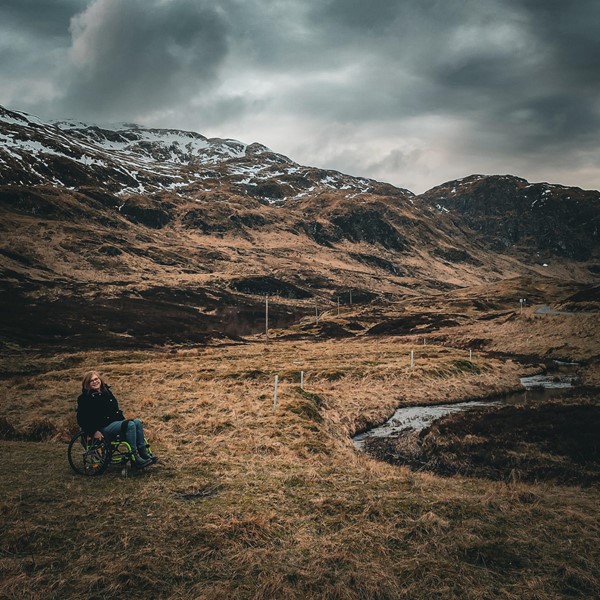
pixel 525 71
pixel 548 98
pixel 549 124
pixel 371 17
pixel 34 39
pixel 412 58
pixel 571 31
pixel 40 17
pixel 142 55
pixel 510 82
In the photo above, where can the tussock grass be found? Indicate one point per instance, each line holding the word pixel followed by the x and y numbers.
pixel 254 503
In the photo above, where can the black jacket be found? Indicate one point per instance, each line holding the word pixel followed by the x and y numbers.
pixel 96 410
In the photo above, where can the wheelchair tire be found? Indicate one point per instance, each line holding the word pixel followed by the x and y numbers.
pixel 87 456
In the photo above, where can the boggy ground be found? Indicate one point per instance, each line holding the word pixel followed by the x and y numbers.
pixel 249 502
pixel 547 441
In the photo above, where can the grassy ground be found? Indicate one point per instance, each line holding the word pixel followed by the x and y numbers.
pixel 254 503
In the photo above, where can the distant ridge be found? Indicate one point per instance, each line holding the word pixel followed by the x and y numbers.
pixel 529 219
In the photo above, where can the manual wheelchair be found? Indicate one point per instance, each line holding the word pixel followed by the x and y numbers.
pixel 90 456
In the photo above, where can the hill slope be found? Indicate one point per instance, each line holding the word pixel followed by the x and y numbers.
pixel 536 222
pixel 122 235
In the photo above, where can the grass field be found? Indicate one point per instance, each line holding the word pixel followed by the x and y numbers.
pixel 249 502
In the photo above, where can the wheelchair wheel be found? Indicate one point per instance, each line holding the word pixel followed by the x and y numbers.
pixel 88 456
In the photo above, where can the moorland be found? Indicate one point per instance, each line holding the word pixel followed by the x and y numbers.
pixel 149 256
pixel 252 502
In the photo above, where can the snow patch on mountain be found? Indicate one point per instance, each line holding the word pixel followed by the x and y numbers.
pixel 127 158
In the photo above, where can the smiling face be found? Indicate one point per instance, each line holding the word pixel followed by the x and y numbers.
pixel 92 381
pixel 95 383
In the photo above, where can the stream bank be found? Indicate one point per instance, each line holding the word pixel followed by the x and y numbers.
pixel 550 431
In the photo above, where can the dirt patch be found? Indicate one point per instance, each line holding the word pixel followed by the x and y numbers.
pixel 327 330
pixel 550 441
pixel 415 323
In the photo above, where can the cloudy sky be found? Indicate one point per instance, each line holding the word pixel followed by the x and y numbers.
pixel 414 92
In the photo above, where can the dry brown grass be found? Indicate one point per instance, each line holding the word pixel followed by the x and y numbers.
pixel 569 337
pixel 252 503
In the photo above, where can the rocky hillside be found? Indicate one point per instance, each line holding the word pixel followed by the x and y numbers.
pixel 127 159
pixel 535 221
pixel 120 235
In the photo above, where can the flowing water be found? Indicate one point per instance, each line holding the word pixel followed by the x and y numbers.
pixel 416 418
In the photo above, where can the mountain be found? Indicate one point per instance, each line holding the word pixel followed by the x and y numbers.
pixel 127 159
pixel 534 221
pixel 121 235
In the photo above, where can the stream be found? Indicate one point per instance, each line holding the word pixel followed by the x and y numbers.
pixel 417 418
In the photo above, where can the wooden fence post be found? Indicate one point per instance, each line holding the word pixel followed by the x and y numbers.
pixel 275 393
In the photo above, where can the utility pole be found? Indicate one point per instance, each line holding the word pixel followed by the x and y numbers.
pixel 267 316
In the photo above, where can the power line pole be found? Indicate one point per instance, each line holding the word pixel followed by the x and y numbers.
pixel 267 316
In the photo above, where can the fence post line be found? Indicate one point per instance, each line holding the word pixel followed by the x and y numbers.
pixel 301 380
pixel 275 392
pixel 470 356
pixel 412 359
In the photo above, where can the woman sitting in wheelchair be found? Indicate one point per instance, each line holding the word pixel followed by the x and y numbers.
pixel 99 416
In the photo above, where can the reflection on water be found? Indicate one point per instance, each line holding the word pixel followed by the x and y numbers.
pixel 416 418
